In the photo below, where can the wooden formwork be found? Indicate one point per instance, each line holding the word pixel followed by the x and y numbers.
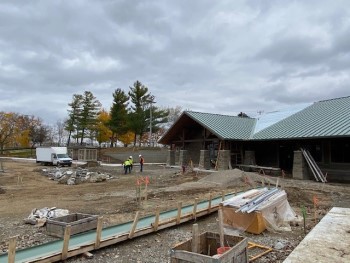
pixel 78 222
pixel 208 245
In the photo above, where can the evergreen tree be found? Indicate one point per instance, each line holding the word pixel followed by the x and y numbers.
pixel 74 112
pixel 141 99
pixel 87 118
pixel 118 122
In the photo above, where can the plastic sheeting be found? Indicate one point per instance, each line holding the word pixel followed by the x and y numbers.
pixel 259 209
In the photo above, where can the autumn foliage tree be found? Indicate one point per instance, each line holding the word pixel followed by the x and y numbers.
pixel 103 133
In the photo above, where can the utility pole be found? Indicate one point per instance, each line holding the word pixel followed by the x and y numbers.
pixel 151 102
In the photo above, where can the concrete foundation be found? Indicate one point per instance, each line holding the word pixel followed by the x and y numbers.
pixel 249 158
pixel 224 160
pixel 327 242
pixel 170 160
pixel 300 168
pixel 204 159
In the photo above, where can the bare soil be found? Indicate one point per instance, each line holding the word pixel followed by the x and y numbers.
pixel 23 187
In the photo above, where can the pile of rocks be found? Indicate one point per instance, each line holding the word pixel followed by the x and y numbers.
pixel 72 176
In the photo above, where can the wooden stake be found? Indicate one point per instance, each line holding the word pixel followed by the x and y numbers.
pixel 223 195
pixel 134 224
pixel 221 227
pixel 194 212
pixel 278 180
pixel 195 239
pixel 98 232
pixel 179 207
pixel 146 192
pixel 12 249
pixel 66 242
pixel 209 202
pixel 156 220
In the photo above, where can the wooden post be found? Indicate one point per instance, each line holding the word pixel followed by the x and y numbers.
pixel 156 220
pixel 223 195
pixel 178 218
pixel 12 250
pixel 134 224
pixel 194 212
pixel 146 188
pixel 195 239
pixel 98 232
pixel 66 242
pixel 221 227
pixel 209 203
pixel 277 182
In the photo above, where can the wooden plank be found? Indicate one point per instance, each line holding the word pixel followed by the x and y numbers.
pixel 310 165
pixel 179 207
pixel 156 220
pixel 98 232
pixel 136 219
pixel 317 168
pixel 66 238
pixel 194 212
pixel 195 238
pixel 12 249
pixel 221 227
pixel 209 202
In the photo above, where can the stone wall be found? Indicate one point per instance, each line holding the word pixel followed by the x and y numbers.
pixel 300 168
pixel 204 160
pixel 224 159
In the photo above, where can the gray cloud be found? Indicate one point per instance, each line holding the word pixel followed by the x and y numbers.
pixel 222 57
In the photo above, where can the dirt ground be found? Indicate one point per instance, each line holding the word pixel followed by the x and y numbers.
pixel 23 187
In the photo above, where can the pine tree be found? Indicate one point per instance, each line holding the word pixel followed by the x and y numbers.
pixel 119 115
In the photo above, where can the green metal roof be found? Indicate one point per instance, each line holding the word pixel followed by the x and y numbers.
pixel 328 118
pixel 323 119
pixel 224 126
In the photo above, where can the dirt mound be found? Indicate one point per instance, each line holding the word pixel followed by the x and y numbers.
pixel 222 178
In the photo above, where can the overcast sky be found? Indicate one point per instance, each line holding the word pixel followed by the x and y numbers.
pixel 209 56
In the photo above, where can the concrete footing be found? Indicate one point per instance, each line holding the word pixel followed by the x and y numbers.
pixel 327 242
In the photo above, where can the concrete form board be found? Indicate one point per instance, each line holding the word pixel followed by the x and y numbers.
pixel 327 242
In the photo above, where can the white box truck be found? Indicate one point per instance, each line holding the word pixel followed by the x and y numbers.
pixel 53 156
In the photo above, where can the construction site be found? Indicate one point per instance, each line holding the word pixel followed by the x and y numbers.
pixel 169 213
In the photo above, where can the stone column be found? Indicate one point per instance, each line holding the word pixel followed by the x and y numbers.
pixel 183 158
pixel 223 162
pixel 170 157
pixel 249 158
pixel 300 168
pixel 204 160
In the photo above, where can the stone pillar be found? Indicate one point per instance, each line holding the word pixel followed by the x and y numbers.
pixel 177 157
pixel 204 160
pixel 249 158
pixel 170 157
pixel 300 168
pixel 223 162
pixel 183 158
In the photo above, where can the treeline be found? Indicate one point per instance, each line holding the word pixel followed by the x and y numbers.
pixel 132 118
